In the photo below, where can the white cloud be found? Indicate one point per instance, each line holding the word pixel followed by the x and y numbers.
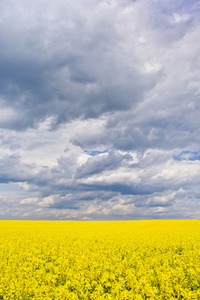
pixel 29 201
pixel 180 18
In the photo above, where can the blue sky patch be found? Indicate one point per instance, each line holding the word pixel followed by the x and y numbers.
pixel 95 152
pixel 187 155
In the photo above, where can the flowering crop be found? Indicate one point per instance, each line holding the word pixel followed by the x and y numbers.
pixel 100 260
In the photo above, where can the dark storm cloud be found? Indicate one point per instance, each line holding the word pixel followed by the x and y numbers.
pixel 59 61
pixel 13 170
pixel 159 123
pixel 125 189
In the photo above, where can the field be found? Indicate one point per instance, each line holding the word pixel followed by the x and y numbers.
pixel 100 260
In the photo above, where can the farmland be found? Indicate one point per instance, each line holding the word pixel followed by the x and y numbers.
pixel 100 259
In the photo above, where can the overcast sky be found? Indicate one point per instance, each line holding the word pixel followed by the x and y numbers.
pixel 99 109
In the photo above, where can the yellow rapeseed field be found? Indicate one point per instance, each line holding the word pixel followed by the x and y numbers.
pixel 100 260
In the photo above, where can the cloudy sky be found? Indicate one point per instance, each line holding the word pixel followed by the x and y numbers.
pixel 99 109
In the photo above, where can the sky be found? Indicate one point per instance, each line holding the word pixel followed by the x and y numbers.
pixel 99 109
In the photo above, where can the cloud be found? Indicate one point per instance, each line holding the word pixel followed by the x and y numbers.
pixel 60 59
pixel 98 164
pixel 156 200
pixel 99 109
